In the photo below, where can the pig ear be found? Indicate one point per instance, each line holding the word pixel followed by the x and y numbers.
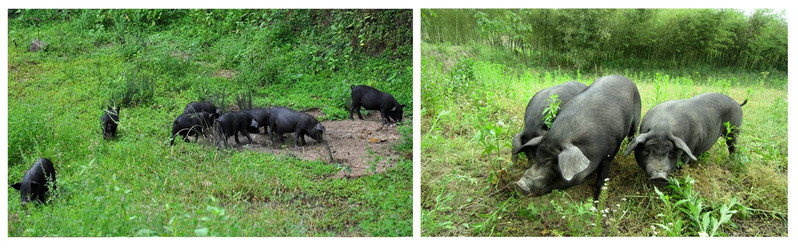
pixel 528 145
pixel 393 109
pixel 632 145
pixel 516 146
pixel 571 161
pixel 16 186
pixel 681 145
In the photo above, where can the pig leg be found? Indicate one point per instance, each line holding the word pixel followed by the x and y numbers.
pixel 298 133
pixel 351 110
pixel 302 136
pixel 602 173
pixel 384 115
pixel 357 108
pixel 236 136
pixel 731 140
pixel 246 133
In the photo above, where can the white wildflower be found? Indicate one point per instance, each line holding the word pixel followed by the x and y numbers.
pixel 623 199
pixel 703 234
pixel 670 223
pixel 618 205
pixel 593 224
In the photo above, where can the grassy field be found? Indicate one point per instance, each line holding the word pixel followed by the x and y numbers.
pixel 138 185
pixel 473 103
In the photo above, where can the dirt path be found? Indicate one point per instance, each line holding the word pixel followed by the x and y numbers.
pixel 364 146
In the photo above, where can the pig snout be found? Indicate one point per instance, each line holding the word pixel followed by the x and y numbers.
pixel 254 124
pixel 521 187
pixel 659 177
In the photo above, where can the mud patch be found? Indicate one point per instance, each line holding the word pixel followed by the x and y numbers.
pixel 360 147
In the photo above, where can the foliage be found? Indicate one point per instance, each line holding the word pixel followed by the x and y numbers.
pixel 596 38
pixel 550 112
pixel 153 62
pixel 701 221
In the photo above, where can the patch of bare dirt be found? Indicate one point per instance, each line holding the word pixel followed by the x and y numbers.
pixel 224 73
pixel 364 146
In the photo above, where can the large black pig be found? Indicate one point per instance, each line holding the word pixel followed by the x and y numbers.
pixel 191 124
pixel 584 138
pixel 109 121
pixel 682 129
pixel 374 99
pixel 196 107
pixel 230 123
pixel 533 117
pixel 261 115
pixel 37 182
pixel 286 120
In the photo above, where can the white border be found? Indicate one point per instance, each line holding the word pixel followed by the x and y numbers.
pixel 389 242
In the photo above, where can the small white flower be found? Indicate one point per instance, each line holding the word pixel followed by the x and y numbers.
pixel 604 188
pixel 593 224
pixel 623 199
pixel 670 223
pixel 617 205
pixel 733 212
pixel 596 201
pixel 563 217
pixel 703 234
pixel 653 228
pixel 500 123
pixel 607 179
pixel 604 215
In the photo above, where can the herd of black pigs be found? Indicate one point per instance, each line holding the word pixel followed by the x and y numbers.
pixel 583 138
pixel 199 117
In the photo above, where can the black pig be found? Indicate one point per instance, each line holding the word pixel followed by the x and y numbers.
pixel 262 117
pixel 191 124
pixel 374 99
pixel 533 117
pixel 285 120
pixel 196 107
pixel 109 121
pixel 584 138
pixel 36 183
pixel 681 128
pixel 230 123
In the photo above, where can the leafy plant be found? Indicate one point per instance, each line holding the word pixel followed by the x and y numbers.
pixel 550 112
pixel 701 220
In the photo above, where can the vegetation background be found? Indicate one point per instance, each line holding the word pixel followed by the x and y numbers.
pixel 481 67
pixel 152 63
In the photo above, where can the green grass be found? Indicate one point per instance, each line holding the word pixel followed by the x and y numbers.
pixel 461 175
pixel 137 185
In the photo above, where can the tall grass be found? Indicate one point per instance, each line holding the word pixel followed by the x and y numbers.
pixel 459 187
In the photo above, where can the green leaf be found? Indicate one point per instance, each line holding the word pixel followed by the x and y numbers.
pixel 201 232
